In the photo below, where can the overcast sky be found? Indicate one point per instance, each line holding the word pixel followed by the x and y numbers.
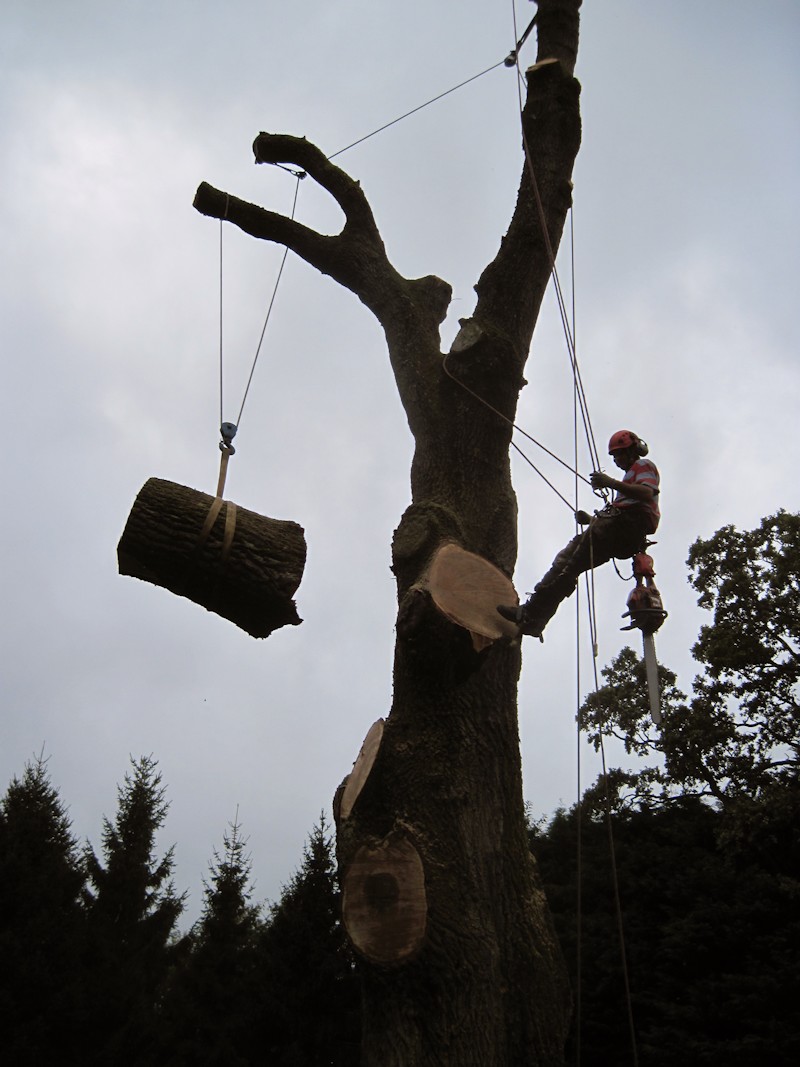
pixel 685 235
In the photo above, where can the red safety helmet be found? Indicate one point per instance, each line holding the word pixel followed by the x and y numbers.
pixel 623 439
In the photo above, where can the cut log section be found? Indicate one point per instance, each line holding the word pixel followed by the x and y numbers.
pixel 361 768
pixel 384 905
pixel 245 567
pixel 467 589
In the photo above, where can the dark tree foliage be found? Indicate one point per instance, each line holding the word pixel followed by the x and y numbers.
pixel 132 909
pixel 94 973
pixel 736 741
pixel 41 925
pixel 711 943
pixel 213 998
pixel 312 1015
pixel 706 839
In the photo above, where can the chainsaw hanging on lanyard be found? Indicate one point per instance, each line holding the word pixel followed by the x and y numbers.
pixel 646 612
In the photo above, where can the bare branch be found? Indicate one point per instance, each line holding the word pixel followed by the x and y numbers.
pixel 283 148
pixel 355 258
pixel 795 655
pixel 315 248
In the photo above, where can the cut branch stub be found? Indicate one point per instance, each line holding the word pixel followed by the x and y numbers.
pixel 384 905
pixel 361 768
pixel 467 589
pixel 246 569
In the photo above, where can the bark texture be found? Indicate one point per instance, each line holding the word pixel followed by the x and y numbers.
pixel 485 986
pixel 246 568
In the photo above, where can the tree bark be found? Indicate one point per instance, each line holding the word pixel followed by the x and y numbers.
pixel 485 985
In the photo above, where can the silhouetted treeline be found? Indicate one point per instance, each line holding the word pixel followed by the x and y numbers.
pixel 93 968
pixel 95 972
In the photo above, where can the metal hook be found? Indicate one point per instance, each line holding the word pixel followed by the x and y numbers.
pixel 228 432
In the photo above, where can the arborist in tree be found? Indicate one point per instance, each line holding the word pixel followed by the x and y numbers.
pixel 619 531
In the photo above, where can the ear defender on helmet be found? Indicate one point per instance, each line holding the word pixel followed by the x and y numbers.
pixel 623 439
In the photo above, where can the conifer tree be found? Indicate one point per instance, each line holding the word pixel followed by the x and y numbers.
pixel 132 910
pixel 41 924
pixel 312 1013
pixel 212 1000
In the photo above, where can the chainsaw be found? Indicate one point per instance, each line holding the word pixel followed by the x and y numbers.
pixel 646 612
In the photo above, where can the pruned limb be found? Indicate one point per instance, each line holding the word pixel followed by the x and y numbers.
pixel 361 769
pixel 467 589
pixel 384 905
pixel 250 581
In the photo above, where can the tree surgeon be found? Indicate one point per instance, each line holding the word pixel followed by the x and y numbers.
pixel 619 531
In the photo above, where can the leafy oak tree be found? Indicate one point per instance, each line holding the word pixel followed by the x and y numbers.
pixel 707 849
pixel 463 967
pixel 736 741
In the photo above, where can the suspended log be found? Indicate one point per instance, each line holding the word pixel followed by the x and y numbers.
pixel 240 565
pixel 384 905
pixel 467 589
pixel 361 768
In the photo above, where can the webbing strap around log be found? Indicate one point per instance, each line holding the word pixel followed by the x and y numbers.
pixel 216 506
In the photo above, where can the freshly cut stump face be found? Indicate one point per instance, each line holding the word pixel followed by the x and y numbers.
pixel 361 768
pixel 384 905
pixel 467 589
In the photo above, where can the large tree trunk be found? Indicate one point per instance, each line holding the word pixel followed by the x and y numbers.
pixel 460 962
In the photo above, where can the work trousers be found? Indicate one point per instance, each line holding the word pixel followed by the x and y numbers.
pixel 614 533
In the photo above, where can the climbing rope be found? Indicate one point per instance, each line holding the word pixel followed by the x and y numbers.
pixel 617 897
pixel 580 405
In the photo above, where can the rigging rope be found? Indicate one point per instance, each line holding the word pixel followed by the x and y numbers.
pixel 414 110
pixel 514 426
pixel 570 341
pixel 512 59
pixel 299 175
